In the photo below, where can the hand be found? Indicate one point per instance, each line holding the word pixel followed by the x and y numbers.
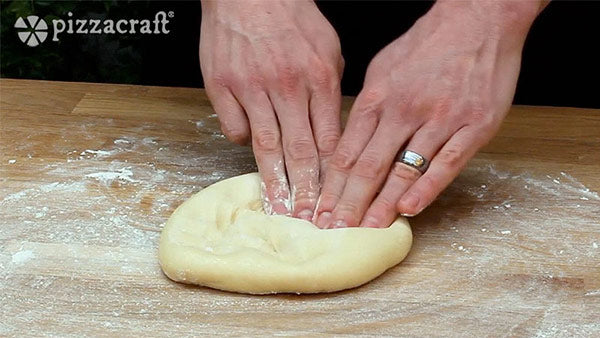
pixel 441 90
pixel 272 71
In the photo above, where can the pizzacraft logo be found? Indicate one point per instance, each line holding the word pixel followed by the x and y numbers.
pixel 33 30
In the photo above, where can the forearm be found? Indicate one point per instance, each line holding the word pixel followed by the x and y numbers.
pixel 209 5
pixel 499 24
pixel 503 16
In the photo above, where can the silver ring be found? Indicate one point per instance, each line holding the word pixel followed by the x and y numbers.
pixel 413 159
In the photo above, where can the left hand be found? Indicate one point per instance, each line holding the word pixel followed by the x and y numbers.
pixel 440 90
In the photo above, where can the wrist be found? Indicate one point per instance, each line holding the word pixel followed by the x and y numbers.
pixel 209 5
pixel 502 17
pixel 502 23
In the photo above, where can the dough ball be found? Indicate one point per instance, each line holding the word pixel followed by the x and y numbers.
pixel 221 238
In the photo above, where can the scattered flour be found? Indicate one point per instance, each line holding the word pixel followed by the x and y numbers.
pixel 149 140
pixel 100 153
pixel 22 257
pixel 101 202
pixel 123 174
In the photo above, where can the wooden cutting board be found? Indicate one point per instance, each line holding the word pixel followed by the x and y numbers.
pixel 89 173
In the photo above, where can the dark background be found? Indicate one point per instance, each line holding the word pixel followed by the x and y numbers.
pixel 560 60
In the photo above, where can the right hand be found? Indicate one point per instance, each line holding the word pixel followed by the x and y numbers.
pixel 272 71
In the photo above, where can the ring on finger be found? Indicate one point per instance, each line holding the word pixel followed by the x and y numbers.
pixel 413 159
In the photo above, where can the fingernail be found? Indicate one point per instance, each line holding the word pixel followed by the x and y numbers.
pixel 339 224
pixel 410 202
pixel 324 219
pixel 370 222
pixel 412 215
pixel 306 214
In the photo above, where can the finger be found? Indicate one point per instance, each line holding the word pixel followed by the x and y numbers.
pixel 233 119
pixel 300 151
pixel 266 144
pixel 425 142
pixel 325 121
pixel 370 171
pixel 444 167
pixel 362 122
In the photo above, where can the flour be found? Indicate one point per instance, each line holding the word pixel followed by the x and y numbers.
pixel 108 212
pixel 123 174
pixel 22 257
pixel 199 123
pixel 514 213
pixel 101 198
pixel 99 153
pixel 149 140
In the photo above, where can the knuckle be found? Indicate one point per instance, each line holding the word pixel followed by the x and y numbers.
pixel 368 166
pixel 480 115
pixel 384 203
pixel 305 196
pixel 322 74
pixel 404 173
pixel 442 108
pixel 343 159
pixel 235 134
pixel 488 123
pixel 288 77
pixel 301 149
pixel 399 118
pixel 452 157
pixel 341 64
pixel 275 183
pixel 327 201
pixel 430 183
pixel 370 96
pixel 368 105
pixel 347 207
pixel 369 114
pixel 375 94
pixel 477 110
pixel 219 79
pixel 327 142
pixel 266 140
pixel 255 80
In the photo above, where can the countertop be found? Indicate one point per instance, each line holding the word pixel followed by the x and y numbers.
pixel 89 174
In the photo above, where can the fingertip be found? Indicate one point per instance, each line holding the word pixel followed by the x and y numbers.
pixel 324 219
pixel 370 222
pixel 305 214
pixel 344 219
pixel 339 224
pixel 409 204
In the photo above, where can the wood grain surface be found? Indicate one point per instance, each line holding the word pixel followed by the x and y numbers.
pixel 89 173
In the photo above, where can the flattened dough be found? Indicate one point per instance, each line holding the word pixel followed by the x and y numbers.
pixel 221 238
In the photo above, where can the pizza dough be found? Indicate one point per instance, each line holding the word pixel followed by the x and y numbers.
pixel 221 238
